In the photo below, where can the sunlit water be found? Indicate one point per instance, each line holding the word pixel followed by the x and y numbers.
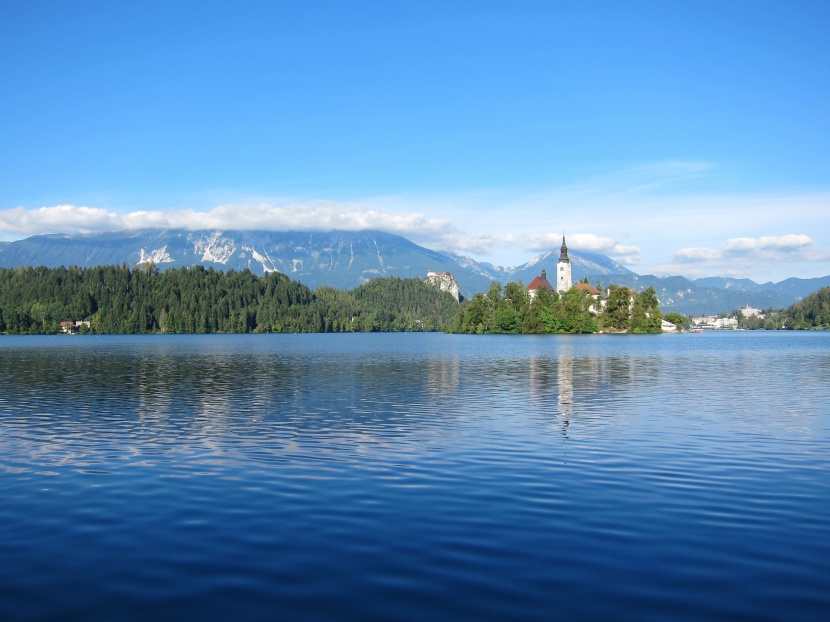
pixel 415 477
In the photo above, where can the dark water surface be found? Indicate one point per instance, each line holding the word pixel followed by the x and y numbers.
pixel 415 477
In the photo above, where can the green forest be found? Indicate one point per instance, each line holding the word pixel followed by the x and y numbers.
pixel 120 300
pixel 142 300
pixel 811 313
pixel 124 300
pixel 512 310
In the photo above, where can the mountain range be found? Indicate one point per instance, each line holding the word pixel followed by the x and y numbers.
pixel 346 259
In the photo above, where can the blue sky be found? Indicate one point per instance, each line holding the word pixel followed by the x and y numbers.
pixel 684 138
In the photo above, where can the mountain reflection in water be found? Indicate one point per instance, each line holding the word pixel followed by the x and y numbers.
pixel 415 477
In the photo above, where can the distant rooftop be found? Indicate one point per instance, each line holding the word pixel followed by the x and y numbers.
pixel 540 281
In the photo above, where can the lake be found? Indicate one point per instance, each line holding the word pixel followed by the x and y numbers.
pixel 416 477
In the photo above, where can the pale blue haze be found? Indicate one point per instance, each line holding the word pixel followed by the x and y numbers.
pixel 645 130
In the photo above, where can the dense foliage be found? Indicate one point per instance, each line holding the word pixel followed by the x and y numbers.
pixel 811 313
pixel 770 320
pixel 512 310
pixel 120 300
pixel 678 319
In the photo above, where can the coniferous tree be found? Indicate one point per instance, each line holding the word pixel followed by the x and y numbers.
pixel 117 299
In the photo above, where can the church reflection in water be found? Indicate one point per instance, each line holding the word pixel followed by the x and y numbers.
pixel 552 388
pixel 578 389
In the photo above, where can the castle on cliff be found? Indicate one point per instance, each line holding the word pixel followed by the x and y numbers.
pixel 445 281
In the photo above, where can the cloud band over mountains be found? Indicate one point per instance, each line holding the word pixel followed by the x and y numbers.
pixel 646 226
pixel 263 216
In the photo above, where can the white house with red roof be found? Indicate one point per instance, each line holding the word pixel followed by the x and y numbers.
pixel 539 281
pixel 594 293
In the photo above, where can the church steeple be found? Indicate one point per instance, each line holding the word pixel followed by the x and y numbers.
pixel 563 252
pixel 563 269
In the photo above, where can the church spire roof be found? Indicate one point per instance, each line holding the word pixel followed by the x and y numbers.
pixel 563 252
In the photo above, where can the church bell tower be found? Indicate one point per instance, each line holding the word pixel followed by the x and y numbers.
pixel 563 269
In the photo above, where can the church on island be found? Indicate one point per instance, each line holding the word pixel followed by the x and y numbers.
pixel 564 281
pixel 563 275
pixel 499 313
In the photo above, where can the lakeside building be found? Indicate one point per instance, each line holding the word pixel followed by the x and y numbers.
pixel 73 327
pixel 598 304
pixel 748 311
pixel 711 322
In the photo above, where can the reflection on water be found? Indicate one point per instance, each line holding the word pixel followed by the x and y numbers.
pixel 415 477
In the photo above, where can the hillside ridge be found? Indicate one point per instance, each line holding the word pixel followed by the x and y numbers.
pixel 347 259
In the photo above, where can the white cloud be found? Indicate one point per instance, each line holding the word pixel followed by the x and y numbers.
pixel 697 254
pixel 740 257
pixel 639 217
pixel 303 216
pixel 785 243
pixel 582 241
pixel 585 242
pixel 476 245
pixel 790 247
pixel 628 255
pixel 58 218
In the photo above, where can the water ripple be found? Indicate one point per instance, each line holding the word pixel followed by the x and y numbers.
pixel 415 477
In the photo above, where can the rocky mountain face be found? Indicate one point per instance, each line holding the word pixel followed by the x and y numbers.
pixel 341 259
pixel 338 258
pixel 445 282
pixel 346 259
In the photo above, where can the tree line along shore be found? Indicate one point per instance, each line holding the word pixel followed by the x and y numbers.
pixel 198 300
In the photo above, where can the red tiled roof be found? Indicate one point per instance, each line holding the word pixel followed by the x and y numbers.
pixel 539 282
pixel 588 288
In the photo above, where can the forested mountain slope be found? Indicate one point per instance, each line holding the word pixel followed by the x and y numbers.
pixel 121 300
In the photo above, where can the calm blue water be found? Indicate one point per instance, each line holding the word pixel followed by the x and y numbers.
pixel 416 477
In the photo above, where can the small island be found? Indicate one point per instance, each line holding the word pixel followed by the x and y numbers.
pixel 542 308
